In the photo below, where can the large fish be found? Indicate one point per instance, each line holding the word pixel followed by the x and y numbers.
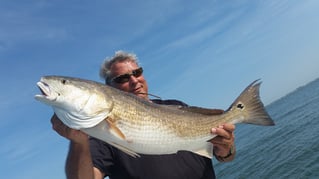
pixel 134 125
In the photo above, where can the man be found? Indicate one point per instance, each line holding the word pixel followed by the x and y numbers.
pixel 91 158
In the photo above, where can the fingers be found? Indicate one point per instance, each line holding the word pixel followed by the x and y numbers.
pixel 224 140
pixel 224 133
pixel 64 131
pixel 225 136
pixel 228 127
pixel 59 127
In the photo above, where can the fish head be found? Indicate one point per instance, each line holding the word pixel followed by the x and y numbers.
pixel 78 103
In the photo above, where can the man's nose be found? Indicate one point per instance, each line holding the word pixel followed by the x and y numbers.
pixel 133 79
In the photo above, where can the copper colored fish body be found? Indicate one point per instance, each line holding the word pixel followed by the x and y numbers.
pixel 134 125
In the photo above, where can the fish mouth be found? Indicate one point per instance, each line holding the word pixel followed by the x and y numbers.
pixel 46 92
pixel 44 88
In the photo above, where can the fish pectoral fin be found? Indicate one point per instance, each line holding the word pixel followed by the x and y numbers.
pixel 114 129
pixel 207 151
pixel 125 150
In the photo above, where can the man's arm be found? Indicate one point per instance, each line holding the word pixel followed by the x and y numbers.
pixel 79 162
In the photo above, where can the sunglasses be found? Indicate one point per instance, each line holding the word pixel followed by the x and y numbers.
pixel 126 77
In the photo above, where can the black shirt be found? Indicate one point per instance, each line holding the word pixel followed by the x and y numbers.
pixel 118 165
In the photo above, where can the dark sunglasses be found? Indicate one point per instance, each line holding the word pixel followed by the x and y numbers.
pixel 126 77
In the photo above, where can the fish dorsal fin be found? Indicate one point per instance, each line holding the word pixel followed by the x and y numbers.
pixel 204 111
pixel 114 129
pixel 207 151
pixel 125 150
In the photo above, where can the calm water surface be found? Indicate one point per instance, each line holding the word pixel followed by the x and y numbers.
pixel 288 150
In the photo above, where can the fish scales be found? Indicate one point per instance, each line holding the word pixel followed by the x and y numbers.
pixel 134 125
pixel 146 114
pixel 157 117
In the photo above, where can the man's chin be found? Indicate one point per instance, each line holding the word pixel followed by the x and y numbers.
pixel 142 95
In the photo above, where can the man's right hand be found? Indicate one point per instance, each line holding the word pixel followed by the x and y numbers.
pixel 75 136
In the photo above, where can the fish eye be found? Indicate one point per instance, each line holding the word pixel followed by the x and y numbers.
pixel 240 106
pixel 63 81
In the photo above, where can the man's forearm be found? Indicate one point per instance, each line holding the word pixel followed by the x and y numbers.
pixel 79 162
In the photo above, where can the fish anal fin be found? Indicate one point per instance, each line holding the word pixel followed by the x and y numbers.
pixel 206 152
pixel 114 129
pixel 125 150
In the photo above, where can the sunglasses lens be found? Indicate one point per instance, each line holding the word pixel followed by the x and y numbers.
pixel 137 72
pixel 126 77
pixel 122 78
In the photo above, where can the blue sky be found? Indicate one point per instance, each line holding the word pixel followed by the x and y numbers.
pixel 202 52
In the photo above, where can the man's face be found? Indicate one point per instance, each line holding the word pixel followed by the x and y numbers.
pixel 136 85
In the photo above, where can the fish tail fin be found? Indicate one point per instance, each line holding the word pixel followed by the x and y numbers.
pixel 250 108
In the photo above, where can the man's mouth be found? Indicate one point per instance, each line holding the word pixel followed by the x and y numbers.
pixel 137 90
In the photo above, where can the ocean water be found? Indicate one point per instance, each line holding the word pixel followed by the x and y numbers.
pixel 290 149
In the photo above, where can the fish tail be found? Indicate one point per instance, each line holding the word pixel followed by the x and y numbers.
pixel 250 108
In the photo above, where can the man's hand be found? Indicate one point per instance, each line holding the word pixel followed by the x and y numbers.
pixel 224 141
pixel 75 136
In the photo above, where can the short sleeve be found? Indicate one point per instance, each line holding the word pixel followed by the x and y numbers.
pixel 102 155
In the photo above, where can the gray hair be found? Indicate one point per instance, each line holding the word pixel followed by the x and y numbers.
pixel 119 56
